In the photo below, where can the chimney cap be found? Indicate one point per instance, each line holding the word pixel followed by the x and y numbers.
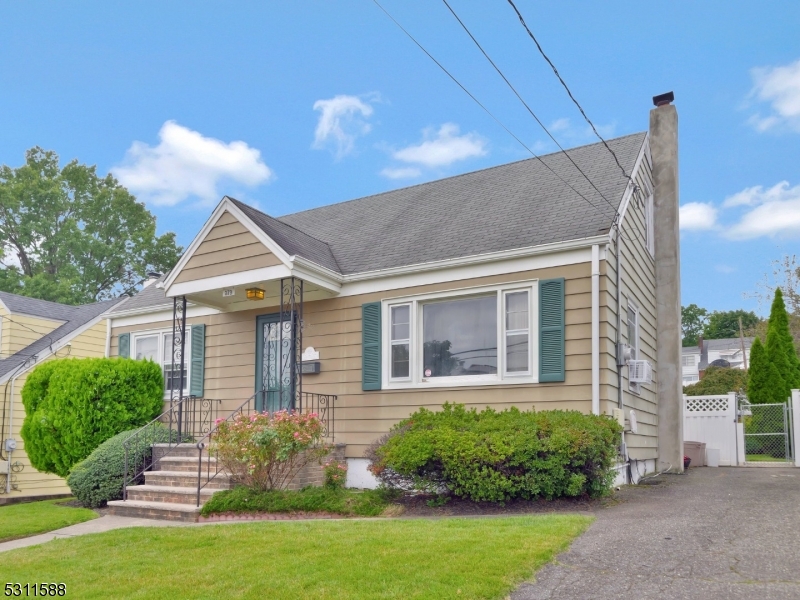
pixel 663 99
pixel 153 275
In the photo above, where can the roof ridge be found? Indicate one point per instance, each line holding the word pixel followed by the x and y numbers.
pixel 458 175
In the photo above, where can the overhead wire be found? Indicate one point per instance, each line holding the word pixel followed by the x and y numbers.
pixel 480 104
pixel 527 106
pixel 569 92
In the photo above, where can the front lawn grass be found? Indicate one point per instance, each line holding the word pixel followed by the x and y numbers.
pixel 403 558
pixel 369 503
pixel 31 518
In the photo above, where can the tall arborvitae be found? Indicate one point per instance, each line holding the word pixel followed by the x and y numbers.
pixel 764 384
pixel 780 345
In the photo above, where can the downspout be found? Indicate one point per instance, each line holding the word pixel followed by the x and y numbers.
pixel 108 337
pixel 595 329
pixel 619 315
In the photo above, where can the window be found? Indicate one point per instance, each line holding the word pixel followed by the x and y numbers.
pixel 633 338
pixel 691 379
pixel 649 225
pixel 157 346
pixel 461 338
pixel 688 360
pixel 401 341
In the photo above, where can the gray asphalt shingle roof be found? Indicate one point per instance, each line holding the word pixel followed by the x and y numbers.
pixel 516 205
pixel 78 317
pixel 37 308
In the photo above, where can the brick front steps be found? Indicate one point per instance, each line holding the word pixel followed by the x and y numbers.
pixel 170 493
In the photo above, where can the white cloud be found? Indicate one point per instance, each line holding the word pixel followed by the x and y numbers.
pixel 726 269
pixel 442 149
pixel 185 163
pixel 401 172
pixel 776 212
pixel 341 121
pixel 697 216
pixel 780 87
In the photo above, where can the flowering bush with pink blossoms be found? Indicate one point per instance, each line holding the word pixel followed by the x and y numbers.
pixel 265 451
pixel 335 472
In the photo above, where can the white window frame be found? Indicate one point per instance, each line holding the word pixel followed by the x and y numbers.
pixel 401 342
pixel 691 358
pixel 416 378
pixel 632 306
pixel 161 333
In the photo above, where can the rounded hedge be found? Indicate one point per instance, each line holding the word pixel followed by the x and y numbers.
pixel 74 405
pixel 499 456
pixel 98 479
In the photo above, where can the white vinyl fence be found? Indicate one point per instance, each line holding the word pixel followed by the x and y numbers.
pixel 712 420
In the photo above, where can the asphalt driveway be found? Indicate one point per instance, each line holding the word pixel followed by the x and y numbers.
pixel 730 533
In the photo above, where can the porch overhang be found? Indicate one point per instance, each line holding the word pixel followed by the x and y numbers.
pixel 232 253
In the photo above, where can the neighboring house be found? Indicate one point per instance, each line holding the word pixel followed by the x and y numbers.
pixel 695 360
pixel 31 332
pixel 493 288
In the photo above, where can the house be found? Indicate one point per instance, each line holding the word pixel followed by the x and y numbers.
pixel 31 332
pixel 509 286
pixel 725 352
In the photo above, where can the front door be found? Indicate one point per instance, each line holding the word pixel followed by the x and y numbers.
pixel 274 364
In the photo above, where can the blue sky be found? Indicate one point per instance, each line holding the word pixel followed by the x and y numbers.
pixel 294 105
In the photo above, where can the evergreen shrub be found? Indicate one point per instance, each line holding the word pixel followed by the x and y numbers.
pixel 74 405
pixel 499 456
pixel 98 479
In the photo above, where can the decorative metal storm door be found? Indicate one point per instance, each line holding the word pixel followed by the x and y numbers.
pixel 279 350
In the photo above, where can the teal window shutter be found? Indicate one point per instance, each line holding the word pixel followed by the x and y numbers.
pixel 124 345
pixel 198 358
pixel 551 330
pixel 371 346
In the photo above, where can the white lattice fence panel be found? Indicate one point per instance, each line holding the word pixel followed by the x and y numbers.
pixel 696 404
pixel 712 420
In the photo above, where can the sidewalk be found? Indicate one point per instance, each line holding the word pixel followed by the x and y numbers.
pixel 106 523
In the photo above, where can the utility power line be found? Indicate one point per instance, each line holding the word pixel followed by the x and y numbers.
pixel 486 110
pixel 566 87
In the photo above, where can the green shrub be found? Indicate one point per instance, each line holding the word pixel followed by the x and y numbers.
pixel 369 503
pixel 717 381
pixel 499 456
pixel 98 479
pixel 74 405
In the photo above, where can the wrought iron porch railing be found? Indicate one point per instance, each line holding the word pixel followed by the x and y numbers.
pixel 188 419
pixel 321 404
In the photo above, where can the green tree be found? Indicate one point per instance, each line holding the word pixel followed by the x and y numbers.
pixel 69 235
pixel 693 320
pixel 725 323
pixel 764 383
pixel 717 381
pixel 780 346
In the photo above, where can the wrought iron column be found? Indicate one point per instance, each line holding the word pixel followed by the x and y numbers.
pixel 178 358
pixel 290 328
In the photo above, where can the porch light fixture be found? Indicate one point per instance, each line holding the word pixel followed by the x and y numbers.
pixel 254 293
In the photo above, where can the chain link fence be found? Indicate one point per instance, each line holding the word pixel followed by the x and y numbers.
pixel 766 432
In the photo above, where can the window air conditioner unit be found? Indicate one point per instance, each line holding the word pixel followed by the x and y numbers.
pixel 640 371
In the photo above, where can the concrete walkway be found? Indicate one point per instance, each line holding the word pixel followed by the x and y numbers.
pixel 106 523
pixel 727 533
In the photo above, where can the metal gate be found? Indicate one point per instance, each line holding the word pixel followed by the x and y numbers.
pixel 767 432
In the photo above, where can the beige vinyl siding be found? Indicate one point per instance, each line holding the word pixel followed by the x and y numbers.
pixel 637 285
pixel 20 331
pixel 29 481
pixel 228 248
pixel 333 327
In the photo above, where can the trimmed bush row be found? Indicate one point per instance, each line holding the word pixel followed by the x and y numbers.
pixel 98 479
pixel 499 456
